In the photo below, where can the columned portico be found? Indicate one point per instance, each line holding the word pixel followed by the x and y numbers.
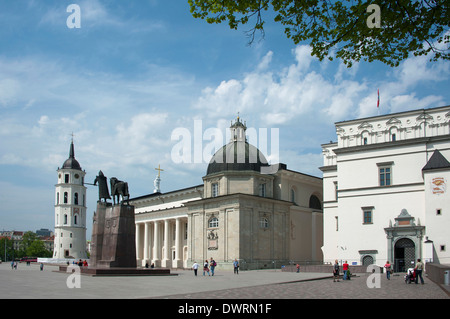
pixel 161 242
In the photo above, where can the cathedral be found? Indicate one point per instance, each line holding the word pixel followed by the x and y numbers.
pixel 263 215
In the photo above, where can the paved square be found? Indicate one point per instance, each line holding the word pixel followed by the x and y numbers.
pixel 30 282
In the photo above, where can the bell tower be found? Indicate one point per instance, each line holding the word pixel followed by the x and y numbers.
pixel 70 210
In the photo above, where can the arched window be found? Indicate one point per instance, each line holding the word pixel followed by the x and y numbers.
pixel 66 197
pixel 75 199
pixel 314 202
pixel 393 134
pixel 213 222
pixel 75 219
pixel 365 138
pixel 65 219
pixel 292 195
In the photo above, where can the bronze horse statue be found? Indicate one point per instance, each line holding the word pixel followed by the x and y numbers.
pixel 119 188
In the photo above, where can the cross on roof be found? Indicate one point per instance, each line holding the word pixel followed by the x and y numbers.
pixel 159 170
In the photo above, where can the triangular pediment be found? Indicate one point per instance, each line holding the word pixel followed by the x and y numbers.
pixel 393 121
pixel 424 117
pixel 364 125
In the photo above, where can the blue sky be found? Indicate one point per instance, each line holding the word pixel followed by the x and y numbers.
pixel 136 70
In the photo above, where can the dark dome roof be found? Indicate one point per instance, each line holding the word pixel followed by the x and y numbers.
pixel 71 162
pixel 242 157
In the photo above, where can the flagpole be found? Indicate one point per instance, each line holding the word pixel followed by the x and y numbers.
pixel 378 102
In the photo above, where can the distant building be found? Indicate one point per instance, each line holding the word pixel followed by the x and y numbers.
pixel 44 232
pixel 386 189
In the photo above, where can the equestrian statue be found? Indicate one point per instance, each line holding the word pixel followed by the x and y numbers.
pixel 119 188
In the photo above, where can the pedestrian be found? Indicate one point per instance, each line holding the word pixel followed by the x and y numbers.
pixel 345 270
pixel 42 266
pixel 195 268
pixel 206 267
pixel 12 264
pixel 419 269
pixel 236 266
pixel 298 268
pixel 336 271
pixel 388 267
pixel 212 265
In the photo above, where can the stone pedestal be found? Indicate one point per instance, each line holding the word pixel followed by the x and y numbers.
pixel 113 237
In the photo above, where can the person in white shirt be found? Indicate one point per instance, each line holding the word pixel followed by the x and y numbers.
pixel 195 268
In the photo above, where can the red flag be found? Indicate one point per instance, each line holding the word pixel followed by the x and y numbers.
pixel 378 102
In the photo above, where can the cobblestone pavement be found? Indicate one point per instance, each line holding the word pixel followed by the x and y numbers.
pixel 357 287
pixel 30 282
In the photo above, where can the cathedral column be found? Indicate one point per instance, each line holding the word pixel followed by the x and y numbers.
pixel 156 245
pixel 166 262
pixel 178 247
pixel 146 243
pixel 138 243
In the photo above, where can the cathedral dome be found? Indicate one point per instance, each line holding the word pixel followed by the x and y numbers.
pixel 71 162
pixel 237 156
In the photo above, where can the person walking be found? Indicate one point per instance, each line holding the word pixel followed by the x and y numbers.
pixel 236 266
pixel 298 268
pixel 212 265
pixel 41 266
pixel 206 267
pixel 336 271
pixel 419 269
pixel 195 268
pixel 345 270
pixel 388 267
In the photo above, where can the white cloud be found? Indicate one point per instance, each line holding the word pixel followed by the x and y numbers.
pixel 283 96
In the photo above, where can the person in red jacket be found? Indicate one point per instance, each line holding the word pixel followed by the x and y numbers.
pixel 345 270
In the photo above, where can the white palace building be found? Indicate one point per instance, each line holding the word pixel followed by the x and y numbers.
pixel 386 189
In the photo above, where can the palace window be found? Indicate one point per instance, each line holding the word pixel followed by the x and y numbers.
pixel 367 215
pixel 336 190
pixel 385 173
pixel 213 222
pixel 385 176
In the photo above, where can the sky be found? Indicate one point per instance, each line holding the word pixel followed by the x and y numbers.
pixel 138 72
